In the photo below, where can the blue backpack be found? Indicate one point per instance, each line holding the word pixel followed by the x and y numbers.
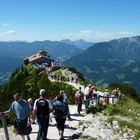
pixel 60 110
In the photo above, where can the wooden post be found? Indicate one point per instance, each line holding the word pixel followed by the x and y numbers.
pixel 5 127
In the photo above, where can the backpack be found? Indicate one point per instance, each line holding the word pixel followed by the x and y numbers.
pixel 60 110
pixel 78 98
pixel 42 108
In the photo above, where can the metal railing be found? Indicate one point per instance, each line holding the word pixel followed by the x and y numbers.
pixel 100 99
pixel 5 127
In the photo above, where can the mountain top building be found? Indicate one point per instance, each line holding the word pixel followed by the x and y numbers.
pixel 41 60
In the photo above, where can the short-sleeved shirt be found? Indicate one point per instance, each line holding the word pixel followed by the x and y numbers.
pixel 22 109
pixel 86 92
pixel 106 94
pixel 49 102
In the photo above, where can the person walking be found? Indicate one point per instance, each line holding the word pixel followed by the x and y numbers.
pixel 78 100
pixel 106 98
pixel 42 110
pixel 87 97
pixel 60 113
pixel 30 101
pixel 65 100
pixel 22 110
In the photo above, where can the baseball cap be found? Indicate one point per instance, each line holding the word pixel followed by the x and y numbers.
pixel 42 92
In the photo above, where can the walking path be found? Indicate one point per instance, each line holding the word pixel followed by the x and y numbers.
pixel 70 128
pixel 92 125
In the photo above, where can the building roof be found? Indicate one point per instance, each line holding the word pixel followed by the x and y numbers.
pixel 38 55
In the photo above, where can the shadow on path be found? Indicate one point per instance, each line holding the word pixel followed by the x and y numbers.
pixel 70 127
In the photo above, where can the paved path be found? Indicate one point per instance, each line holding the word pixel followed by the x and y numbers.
pixel 70 128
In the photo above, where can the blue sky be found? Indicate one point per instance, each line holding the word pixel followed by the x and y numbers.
pixel 91 20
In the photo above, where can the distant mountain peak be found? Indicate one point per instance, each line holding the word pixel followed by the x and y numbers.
pixel 81 44
pixel 105 62
pixel 133 39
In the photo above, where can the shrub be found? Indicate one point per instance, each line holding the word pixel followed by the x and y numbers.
pixel 137 136
pixel 94 109
pixel 112 110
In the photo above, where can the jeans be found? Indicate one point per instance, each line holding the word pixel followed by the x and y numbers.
pixel 43 127
pixel 79 108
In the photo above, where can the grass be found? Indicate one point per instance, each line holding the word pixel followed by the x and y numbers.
pixel 127 107
pixel 127 113
pixel 137 136
pixel 94 109
pixel 58 73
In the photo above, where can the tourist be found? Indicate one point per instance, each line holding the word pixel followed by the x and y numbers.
pixel 42 108
pixel 78 100
pixel 65 100
pixel 22 110
pixel 30 101
pixel 117 94
pixel 106 98
pixel 60 113
pixel 87 96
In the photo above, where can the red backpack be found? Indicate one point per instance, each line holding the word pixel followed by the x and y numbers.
pixel 78 98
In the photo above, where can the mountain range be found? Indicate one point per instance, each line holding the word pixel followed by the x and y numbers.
pixel 116 61
pixel 12 53
pixel 81 44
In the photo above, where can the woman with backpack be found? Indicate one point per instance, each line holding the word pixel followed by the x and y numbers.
pixel 60 114
pixel 78 100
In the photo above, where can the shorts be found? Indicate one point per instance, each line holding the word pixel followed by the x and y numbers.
pixel 60 123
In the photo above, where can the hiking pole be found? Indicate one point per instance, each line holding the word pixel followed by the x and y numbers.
pixel 5 127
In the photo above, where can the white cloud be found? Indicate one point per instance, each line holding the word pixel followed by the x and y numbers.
pixel 86 32
pixel 124 33
pixel 5 24
pixel 10 32
pixel 7 32
pixel 93 35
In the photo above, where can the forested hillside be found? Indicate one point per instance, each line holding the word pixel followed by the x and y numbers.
pixel 114 61
pixel 12 54
pixel 28 81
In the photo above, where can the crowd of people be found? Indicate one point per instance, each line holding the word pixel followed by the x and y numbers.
pixel 29 112
pixel 72 79
pixel 90 95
